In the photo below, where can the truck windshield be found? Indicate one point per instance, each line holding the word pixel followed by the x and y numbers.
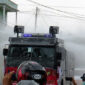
pixel 42 55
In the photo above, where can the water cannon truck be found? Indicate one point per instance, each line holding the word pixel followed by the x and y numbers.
pixel 45 49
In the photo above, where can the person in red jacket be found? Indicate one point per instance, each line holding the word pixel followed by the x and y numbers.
pixel 51 77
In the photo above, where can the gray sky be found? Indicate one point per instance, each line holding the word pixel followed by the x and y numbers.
pixel 75 20
pixel 76 6
pixel 70 23
pixel 72 28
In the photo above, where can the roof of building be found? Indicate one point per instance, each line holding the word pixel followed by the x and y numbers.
pixel 10 6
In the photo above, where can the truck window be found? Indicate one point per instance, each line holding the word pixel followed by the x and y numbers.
pixel 18 54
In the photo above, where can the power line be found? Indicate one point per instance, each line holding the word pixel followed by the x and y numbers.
pixel 77 15
pixel 67 7
pixel 81 16
pixel 55 6
pixel 65 16
pixel 65 12
pixel 76 7
pixel 50 14
pixel 57 15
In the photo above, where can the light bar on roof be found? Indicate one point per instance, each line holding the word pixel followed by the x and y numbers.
pixel 27 35
pixel 37 35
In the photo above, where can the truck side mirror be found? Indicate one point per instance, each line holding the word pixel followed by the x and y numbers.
pixel 5 52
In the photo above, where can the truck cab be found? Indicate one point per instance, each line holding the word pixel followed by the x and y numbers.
pixel 42 48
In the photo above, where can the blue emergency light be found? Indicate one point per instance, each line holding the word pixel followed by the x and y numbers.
pixel 48 35
pixel 37 35
pixel 27 35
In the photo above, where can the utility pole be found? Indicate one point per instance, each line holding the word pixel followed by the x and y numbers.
pixel 36 17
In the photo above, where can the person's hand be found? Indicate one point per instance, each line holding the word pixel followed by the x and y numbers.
pixel 74 82
pixel 7 78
